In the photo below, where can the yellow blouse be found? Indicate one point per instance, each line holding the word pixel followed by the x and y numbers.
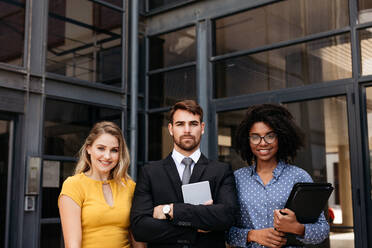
pixel 102 225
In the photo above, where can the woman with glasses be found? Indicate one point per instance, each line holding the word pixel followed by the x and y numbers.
pixel 268 140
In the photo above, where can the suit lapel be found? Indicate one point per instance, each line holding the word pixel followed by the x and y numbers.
pixel 171 170
pixel 198 170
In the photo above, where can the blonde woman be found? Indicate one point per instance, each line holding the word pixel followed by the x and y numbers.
pixel 95 203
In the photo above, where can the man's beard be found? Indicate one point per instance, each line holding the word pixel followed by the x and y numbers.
pixel 189 145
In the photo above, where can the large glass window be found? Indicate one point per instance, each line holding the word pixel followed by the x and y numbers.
pixel 307 63
pixel 172 48
pixel 67 124
pixel 172 77
pixel 169 87
pixel 85 44
pixel 12 31
pixel 365 37
pixel 325 156
pixel 277 22
pixel 167 84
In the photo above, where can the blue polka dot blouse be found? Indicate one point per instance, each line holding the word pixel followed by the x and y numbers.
pixel 257 203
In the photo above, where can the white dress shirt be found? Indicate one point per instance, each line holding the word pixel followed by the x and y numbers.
pixel 178 157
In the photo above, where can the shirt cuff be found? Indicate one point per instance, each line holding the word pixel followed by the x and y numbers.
pixel 311 235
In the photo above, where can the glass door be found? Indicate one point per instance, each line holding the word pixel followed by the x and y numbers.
pixel 6 139
pixel 368 168
pixel 325 157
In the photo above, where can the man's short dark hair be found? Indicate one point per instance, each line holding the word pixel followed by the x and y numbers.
pixel 188 105
pixel 290 136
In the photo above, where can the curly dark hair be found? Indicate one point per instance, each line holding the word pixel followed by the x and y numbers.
pixel 290 136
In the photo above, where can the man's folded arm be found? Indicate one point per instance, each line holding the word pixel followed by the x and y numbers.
pixel 147 229
pixel 216 217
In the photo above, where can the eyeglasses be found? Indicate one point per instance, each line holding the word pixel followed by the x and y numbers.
pixel 256 139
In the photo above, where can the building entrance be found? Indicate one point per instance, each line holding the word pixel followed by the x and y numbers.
pixel 5 172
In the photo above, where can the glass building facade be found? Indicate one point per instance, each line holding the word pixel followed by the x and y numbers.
pixel 66 64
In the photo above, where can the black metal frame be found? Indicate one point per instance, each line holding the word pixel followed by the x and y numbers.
pixel 352 88
pixel 167 7
pixel 367 161
pixel 25 88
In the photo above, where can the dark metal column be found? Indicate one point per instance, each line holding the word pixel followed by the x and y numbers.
pixel 202 80
pixel 134 55
pixel 36 24
pixel 358 184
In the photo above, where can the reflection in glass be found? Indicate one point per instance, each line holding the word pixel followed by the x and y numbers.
pixel 365 11
pixel 4 148
pixel 172 48
pixel 281 21
pixel 85 45
pixel 51 236
pixel 369 119
pixel 170 87
pixel 312 62
pixel 325 156
pixel 365 37
pixel 54 174
pixel 160 142
pixel 67 125
pixel 12 31
pixel 228 123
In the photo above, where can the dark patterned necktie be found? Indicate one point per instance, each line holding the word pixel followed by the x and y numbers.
pixel 187 172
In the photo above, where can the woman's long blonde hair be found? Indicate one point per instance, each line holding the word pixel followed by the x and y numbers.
pixel 120 171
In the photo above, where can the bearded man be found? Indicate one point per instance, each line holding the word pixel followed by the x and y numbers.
pixel 159 215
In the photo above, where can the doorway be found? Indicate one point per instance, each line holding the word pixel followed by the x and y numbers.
pixel 6 145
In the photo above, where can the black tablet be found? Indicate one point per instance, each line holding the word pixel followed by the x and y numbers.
pixel 308 200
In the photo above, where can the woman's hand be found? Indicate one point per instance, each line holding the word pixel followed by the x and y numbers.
pixel 267 237
pixel 285 221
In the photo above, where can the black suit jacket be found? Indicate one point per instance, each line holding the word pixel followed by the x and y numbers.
pixel 159 183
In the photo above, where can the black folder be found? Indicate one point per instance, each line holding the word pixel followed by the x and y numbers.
pixel 308 200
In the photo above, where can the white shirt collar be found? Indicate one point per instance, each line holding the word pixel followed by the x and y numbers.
pixel 178 157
